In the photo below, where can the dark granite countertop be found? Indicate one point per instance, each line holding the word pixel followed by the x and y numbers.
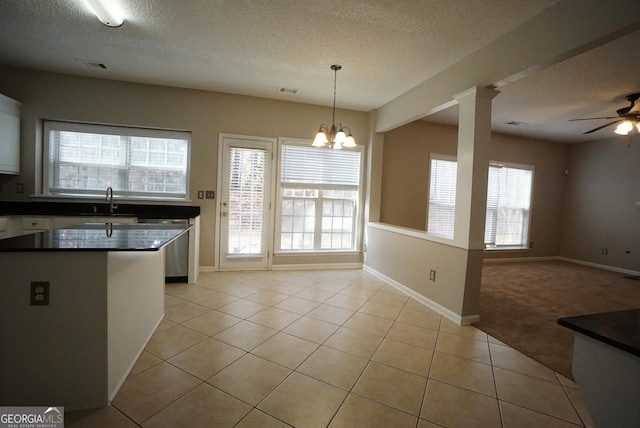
pixel 98 209
pixel 620 329
pixel 97 237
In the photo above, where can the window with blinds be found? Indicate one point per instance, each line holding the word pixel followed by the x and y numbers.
pixel 508 202
pixel 508 206
pixel 319 194
pixel 442 196
pixel 246 200
pixel 85 159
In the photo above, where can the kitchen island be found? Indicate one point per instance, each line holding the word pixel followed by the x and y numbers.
pixel 606 365
pixel 77 307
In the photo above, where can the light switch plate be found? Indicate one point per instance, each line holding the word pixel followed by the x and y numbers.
pixel 210 194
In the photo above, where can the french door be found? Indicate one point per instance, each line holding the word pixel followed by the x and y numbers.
pixel 244 203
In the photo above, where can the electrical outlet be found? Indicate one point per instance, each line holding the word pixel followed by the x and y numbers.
pixel 39 293
pixel 210 194
pixel 19 188
pixel 432 275
pixel 200 194
pixel 605 251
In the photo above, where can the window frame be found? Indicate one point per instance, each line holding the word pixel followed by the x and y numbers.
pixel 358 212
pixel 527 239
pixel 117 130
pixel 446 158
pixel 488 246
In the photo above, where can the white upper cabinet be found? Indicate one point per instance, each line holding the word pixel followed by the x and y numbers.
pixel 9 135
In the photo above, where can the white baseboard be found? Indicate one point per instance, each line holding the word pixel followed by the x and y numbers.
pixel 521 259
pixel 599 266
pixel 469 319
pixel 321 266
pixel 563 259
pixel 310 266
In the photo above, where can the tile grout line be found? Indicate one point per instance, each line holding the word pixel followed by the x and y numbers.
pixel 495 383
pixel 341 325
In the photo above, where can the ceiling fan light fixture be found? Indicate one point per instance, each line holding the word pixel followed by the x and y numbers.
pixel 624 128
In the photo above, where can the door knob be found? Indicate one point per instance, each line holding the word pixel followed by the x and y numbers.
pixel 224 214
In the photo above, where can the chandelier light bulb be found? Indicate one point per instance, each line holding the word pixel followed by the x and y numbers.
pixel 321 139
pixel 351 142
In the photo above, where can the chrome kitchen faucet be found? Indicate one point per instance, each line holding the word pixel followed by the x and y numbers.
pixel 112 206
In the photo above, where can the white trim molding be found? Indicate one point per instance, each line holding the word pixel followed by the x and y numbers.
pixel 466 320
pixel 563 259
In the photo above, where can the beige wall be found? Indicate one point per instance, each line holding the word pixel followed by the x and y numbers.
pixel 406 257
pixel 602 207
pixel 406 169
pixel 205 114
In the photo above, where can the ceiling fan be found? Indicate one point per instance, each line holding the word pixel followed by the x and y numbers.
pixel 627 117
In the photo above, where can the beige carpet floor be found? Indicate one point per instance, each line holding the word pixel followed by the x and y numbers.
pixel 521 302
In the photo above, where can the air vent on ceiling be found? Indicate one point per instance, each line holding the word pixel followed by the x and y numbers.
pixel 516 123
pixel 92 64
pixel 286 90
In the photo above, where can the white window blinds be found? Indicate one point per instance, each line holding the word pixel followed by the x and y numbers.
pixel 319 195
pixel 319 166
pixel 442 197
pixel 508 202
pixel 85 159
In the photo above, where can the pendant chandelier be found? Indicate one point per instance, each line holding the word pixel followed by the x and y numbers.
pixel 339 137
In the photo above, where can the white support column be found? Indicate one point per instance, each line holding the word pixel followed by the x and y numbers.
pixel 474 137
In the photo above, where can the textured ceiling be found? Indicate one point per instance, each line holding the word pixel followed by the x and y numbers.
pixel 253 47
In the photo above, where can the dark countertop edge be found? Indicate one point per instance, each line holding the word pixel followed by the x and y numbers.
pixel 595 326
pixel 156 211
pixel 75 250
pixel 93 226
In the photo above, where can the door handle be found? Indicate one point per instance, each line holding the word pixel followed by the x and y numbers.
pixel 224 213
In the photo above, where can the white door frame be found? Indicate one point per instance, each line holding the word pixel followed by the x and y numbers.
pixel 270 203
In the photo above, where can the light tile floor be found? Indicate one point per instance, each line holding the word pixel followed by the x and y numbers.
pixel 326 348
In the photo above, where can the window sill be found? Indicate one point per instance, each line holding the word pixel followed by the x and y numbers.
pixel 117 200
pixel 318 253
pixel 514 249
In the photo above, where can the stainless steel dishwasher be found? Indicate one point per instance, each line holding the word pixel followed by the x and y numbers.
pixel 176 254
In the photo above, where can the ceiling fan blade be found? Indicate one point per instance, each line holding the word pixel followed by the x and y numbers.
pixel 603 126
pixel 635 108
pixel 594 118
